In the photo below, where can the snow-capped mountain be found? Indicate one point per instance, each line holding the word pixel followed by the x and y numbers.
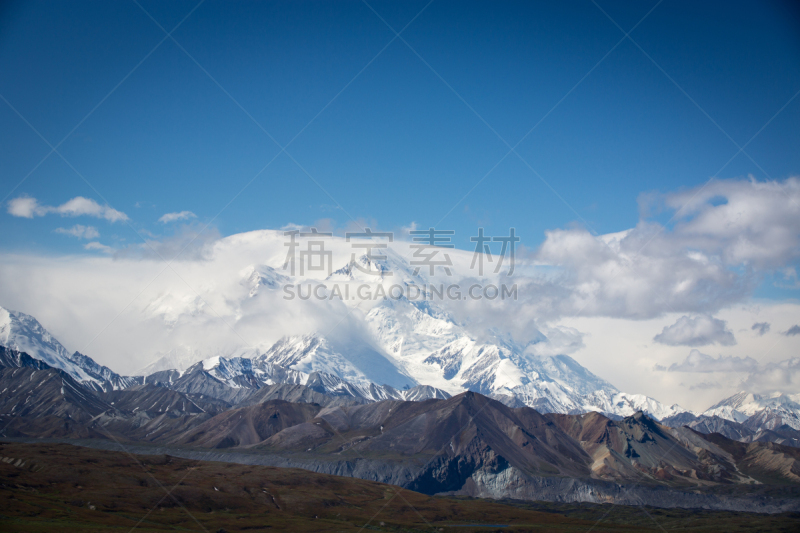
pixel 401 341
pixel 384 265
pixel 281 364
pixel 255 277
pixel 429 344
pixel 398 340
pixel 24 333
pixel 758 411
pixel 257 372
pixel 406 331
pixel 748 417
pixel 312 353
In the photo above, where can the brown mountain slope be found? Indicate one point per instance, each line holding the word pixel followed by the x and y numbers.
pixel 638 448
pixel 247 426
pixel 459 436
pixel 767 462
pixel 468 444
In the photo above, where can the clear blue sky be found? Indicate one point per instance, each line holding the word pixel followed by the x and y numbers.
pixel 397 144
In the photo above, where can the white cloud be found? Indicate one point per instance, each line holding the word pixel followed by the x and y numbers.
pixel 28 207
pixel 94 245
pixel 697 331
pixel 640 273
pixel 201 304
pixel 24 206
pixel 649 273
pixel 86 206
pixel 174 217
pixel 622 351
pixel 79 231
pixel 727 235
pixel 745 222
pixel 697 361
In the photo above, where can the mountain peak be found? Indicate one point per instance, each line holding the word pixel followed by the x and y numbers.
pixel 256 276
pixel 24 333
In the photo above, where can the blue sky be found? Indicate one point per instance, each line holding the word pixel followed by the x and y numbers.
pixel 388 132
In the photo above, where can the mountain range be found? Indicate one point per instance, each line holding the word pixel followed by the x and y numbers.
pixel 558 385
pixel 467 444
pixel 572 437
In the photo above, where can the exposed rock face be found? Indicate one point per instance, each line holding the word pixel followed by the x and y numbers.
pixel 11 358
pixel 46 403
pixel 514 484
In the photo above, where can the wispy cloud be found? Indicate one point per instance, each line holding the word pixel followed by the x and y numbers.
pixel 697 361
pixel 79 231
pixel 174 217
pixel 94 245
pixel 28 207
pixel 760 328
pixel 704 385
pixel 192 242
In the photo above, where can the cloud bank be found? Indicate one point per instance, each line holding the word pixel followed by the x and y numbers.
pixel 692 269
